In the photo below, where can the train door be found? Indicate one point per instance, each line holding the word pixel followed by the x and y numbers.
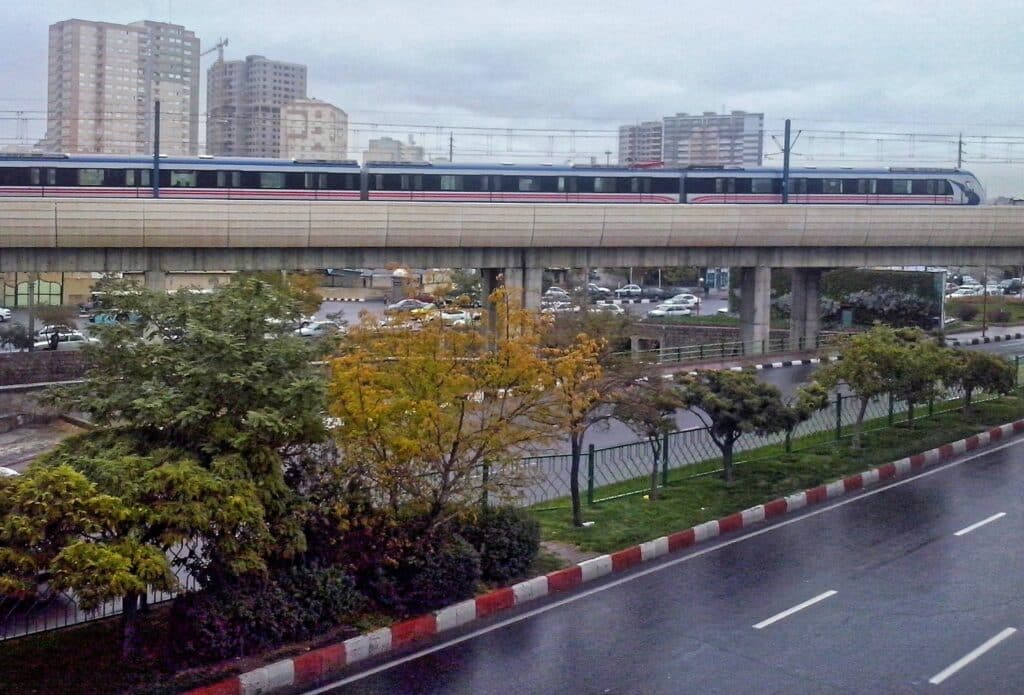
pixel 725 189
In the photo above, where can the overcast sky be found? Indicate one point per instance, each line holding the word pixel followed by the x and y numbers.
pixel 898 66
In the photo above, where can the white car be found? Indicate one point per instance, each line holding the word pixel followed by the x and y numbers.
pixel 5 314
pixel 456 317
pixel 556 293
pixel 8 472
pixel 967 291
pixel 669 310
pixel 688 300
pixel 629 291
pixel 72 340
pixel 316 329
pixel 606 309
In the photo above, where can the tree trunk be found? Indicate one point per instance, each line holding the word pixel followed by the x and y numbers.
pixel 130 646
pixel 967 400
pixel 910 413
pixel 858 426
pixel 574 478
pixel 727 459
pixel 656 450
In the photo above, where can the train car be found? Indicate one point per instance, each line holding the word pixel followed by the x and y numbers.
pixel 511 183
pixel 115 176
pixel 842 186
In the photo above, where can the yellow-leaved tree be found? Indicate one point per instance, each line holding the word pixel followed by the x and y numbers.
pixel 421 409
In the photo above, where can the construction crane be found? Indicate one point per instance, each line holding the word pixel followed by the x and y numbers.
pixel 219 47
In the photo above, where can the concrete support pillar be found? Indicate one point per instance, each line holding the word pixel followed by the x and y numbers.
pixel 755 308
pixel 155 280
pixel 533 286
pixel 805 319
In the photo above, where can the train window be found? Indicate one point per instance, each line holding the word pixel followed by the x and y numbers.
pixel 529 184
pixel 295 181
pixel 832 186
pixel 114 177
pixel 143 177
pixel 90 177
pixel 604 184
pixel 183 179
pixel 35 178
pixel 664 185
pixel 799 185
pixel 585 184
pixel 700 185
pixel 946 188
pixel 206 179
pixel 901 186
pixel 474 183
pixel 66 177
pixel 451 183
pixel 485 183
pixel 228 179
pixel 129 177
pixel 725 185
pixel 637 185
pixel 16 176
pixel 271 179
pixel 761 185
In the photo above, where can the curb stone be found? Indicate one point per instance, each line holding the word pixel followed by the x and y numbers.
pixel 320 664
pixel 780 365
pixel 954 342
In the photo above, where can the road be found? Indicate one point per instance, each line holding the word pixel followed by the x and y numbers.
pixel 875 593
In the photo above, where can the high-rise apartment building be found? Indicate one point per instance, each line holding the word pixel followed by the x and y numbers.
pixel 391 150
pixel 243 104
pixel 640 143
pixel 103 81
pixel 733 139
pixel 313 129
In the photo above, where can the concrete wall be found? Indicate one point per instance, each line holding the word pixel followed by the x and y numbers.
pixel 675 335
pixel 37 367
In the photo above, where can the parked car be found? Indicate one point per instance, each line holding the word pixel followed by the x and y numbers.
pixel 690 300
pixel 8 472
pixel 45 332
pixel 967 291
pixel 597 292
pixel 72 340
pixel 657 293
pixel 5 314
pixel 317 329
pixel 669 310
pixel 606 309
pixel 1011 286
pixel 556 292
pixel 629 292
pixel 414 306
pixel 456 317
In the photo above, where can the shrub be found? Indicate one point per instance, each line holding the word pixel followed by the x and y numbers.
pixel 507 539
pixel 255 613
pixel 965 312
pixel 998 316
pixel 433 572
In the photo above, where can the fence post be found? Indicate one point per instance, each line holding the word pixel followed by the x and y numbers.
pixel 701 350
pixel 789 441
pixel 839 416
pixel 722 345
pixel 931 405
pixel 485 477
pixel 664 459
pixel 891 411
pixel 1016 370
pixel 590 474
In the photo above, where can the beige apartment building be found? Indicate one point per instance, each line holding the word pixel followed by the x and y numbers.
pixel 313 129
pixel 103 81
pixel 243 104
pixel 391 150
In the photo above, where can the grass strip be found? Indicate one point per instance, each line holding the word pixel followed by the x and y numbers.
pixel 767 474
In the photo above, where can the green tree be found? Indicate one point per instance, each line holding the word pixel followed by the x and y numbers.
pixel 648 407
pixel 973 370
pixel 103 527
pixel 915 367
pixel 865 367
pixel 219 377
pixel 732 404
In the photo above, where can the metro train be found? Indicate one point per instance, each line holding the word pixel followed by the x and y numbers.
pixel 205 177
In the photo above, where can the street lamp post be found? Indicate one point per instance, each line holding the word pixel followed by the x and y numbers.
pixel 156 148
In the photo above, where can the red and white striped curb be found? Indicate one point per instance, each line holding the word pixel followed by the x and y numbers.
pixel 319 664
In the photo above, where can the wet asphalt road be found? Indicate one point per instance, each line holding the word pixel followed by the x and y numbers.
pixel 911 600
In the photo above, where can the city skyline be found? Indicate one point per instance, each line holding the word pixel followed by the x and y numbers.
pixel 565 69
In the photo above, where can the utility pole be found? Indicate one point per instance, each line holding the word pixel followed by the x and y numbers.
pixel 960 151
pixel 451 146
pixel 785 164
pixel 156 149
